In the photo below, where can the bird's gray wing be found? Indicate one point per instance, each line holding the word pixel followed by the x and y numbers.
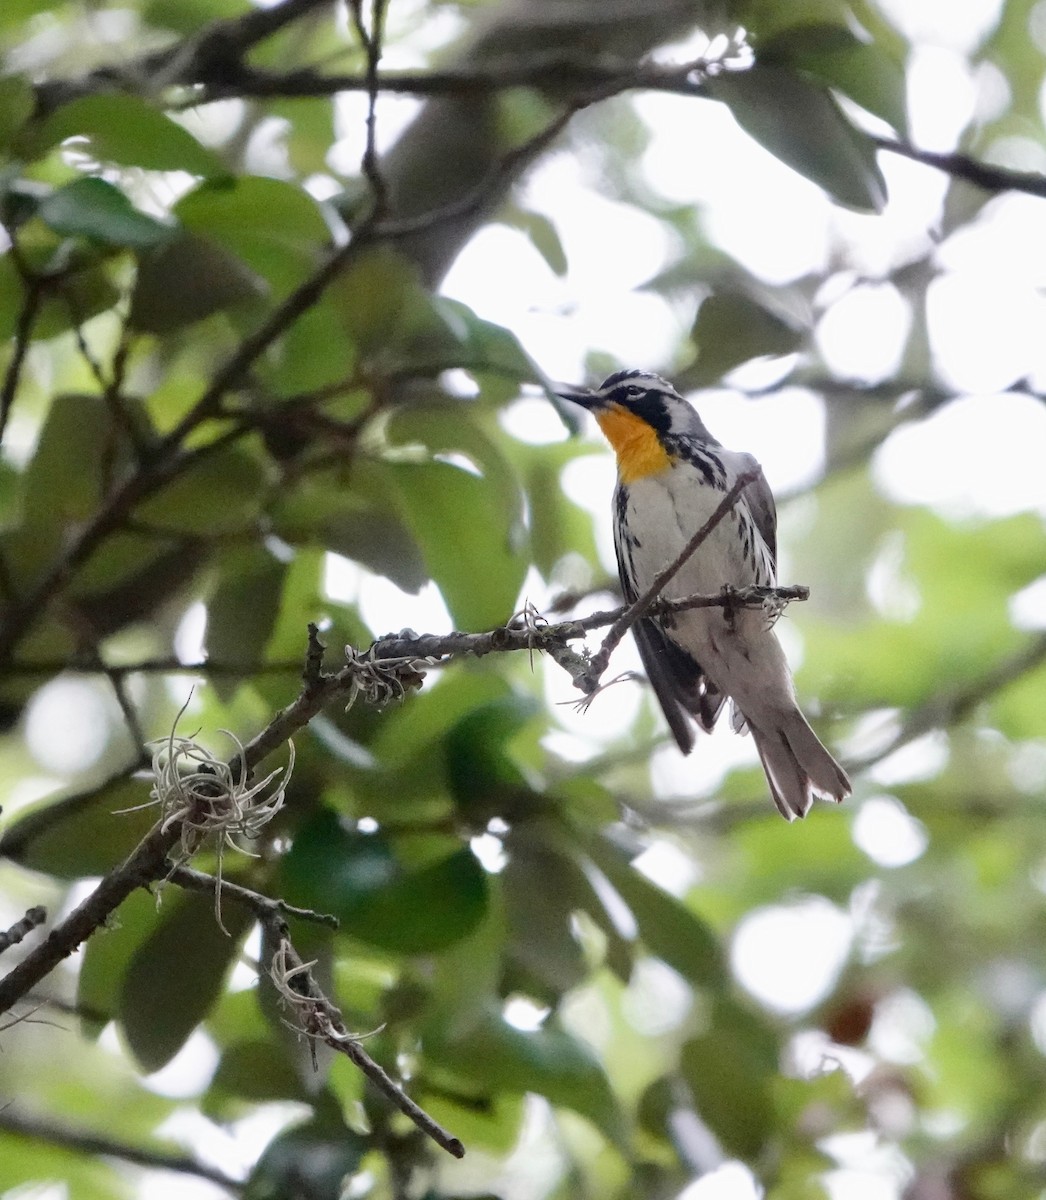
pixel 682 688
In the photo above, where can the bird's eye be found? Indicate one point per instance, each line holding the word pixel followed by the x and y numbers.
pixel 633 389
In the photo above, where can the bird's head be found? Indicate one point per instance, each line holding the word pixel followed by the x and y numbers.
pixel 639 413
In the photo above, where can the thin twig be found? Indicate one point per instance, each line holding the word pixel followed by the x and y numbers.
pixel 633 612
pixel 321 1019
pixel 19 348
pixel 20 930
pixel 986 176
pixel 58 1134
pixel 371 40
pixel 947 708
pixel 263 907
pixel 294 981
pixel 149 666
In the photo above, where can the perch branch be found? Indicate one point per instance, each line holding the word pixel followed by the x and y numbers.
pixel 21 929
pixel 58 1134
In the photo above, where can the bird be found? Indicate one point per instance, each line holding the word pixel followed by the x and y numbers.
pixel 672 474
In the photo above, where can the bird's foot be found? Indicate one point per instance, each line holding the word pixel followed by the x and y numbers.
pixel 732 604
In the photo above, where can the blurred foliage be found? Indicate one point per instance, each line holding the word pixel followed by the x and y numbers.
pixel 573 1015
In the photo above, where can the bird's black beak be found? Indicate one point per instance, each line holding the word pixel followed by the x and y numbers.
pixel 578 395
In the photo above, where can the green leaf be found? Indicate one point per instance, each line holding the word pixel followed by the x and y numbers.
pixel 106 956
pixel 122 128
pixel 82 834
pixel 242 612
pixel 415 733
pixel 730 1070
pixel 549 1061
pixel 311 1161
pixel 257 1070
pixel 862 70
pixel 480 771
pixel 316 352
pixel 669 929
pixel 478 345
pixel 16 107
pixel 177 974
pixel 64 481
pixel 381 298
pixel 544 886
pixel 274 227
pixel 358 878
pixel 185 279
pixel 221 493
pixel 732 329
pixel 800 123
pixel 467 539
pixel 350 514
pixel 542 233
pixel 82 295
pixel 94 209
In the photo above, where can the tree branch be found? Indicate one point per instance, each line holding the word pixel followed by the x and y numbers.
pixel 297 986
pixel 321 1019
pixel 46 1129
pixel 983 175
pixel 390 668
pixel 265 908
pixel 214 54
pixel 955 705
pixel 21 929
pixel 19 348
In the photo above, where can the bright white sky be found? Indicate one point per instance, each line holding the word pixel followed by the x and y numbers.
pixel 986 316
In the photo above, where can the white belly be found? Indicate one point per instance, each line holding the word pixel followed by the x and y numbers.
pixel 663 512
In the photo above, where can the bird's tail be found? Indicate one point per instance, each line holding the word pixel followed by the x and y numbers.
pixel 797 766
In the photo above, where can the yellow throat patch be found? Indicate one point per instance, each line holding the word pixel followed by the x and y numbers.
pixel 638 448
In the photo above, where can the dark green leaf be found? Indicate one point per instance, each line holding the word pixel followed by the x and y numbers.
pixel 351 516
pixel 467 539
pixel 732 329
pixel 312 1161
pixel 106 957
pixel 242 612
pixel 256 1070
pixel 177 974
pixel 414 733
pixel 94 209
pixel 802 124
pixel 277 229
pixel 478 345
pixel 862 70
pixel 185 279
pixel 316 352
pixel 667 927
pixel 544 886
pixel 382 298
pixel 730 1069
pixel 63 483
pixel 479 767
pixel 358 878
pixel 221 493
pixel 543 235
pixel 83 834
pixel 125 129
pixel 16 106
pixel 549 1061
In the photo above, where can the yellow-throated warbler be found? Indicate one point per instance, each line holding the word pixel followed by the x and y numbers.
pixel 672 475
